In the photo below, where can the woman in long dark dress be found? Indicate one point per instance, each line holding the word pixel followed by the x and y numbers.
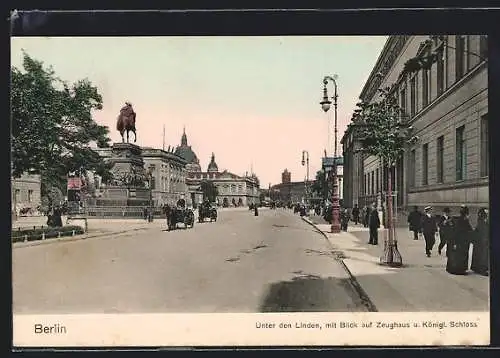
pixel 480 251
pixel 458 249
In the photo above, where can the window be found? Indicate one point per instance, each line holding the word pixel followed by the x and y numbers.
pixel 425 164
pixel 483 47
pixel 30 196
pixel 403 101
pixel 377 181
pixel 459 57
pixel 485 152
pixel 16 195
pixel 460 153
pixel 425 88
pixel 440 159
pixel 411 166
pixel 413 98
pixel 366 184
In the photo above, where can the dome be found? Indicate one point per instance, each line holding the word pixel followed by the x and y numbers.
pixel 212 167
pixel 185 151
pixel 187 154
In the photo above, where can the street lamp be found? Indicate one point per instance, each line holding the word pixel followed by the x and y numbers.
pixel 325 105
pixel 305 161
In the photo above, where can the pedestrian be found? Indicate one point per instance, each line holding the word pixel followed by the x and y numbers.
pixel 150 214
pixel 255 210
pixel 446 226
pixel 145 213
pixel 480 252
pixel 344 219
pixel 355 214
pixel 429 229
pixel 458 246
pixel 414 222
pixel 367 216
pixel 374 224
pixel 50 217
pixel 328 214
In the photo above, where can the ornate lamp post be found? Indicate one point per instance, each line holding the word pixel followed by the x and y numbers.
pixel 325 105
pixel 305 161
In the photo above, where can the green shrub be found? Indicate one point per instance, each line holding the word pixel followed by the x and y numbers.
pixel 50 232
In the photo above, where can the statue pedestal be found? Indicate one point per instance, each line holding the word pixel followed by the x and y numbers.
pixel 126 158
pixel 127 164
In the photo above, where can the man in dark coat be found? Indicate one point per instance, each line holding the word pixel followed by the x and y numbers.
pixel 458 250
pixel 355 214
pixel 366 216
pixel 480 251
pixel 429 229
pixel 415 221
pixel 344 219
pixel 374 224
pixel 446 226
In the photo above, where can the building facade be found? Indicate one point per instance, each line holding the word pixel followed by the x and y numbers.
pixel 26 192
pixel 168 175
pixel 447 106
pixel 233 190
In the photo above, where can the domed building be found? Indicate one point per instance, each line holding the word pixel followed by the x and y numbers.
pixel 234 190
pixel 185 151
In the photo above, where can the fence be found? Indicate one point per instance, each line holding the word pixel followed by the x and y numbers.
pixel 43 232
pixel 125 212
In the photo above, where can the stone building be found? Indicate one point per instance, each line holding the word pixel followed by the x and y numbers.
pixel 292 192
pixel 169 175
pixel 26 192
pixel 233 190
pixel 286 176
pixel 447 105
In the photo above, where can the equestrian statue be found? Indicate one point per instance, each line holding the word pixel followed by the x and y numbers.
pixel 126 121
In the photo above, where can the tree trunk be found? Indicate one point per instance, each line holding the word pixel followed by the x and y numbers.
pixel 390 219
pixel 391 256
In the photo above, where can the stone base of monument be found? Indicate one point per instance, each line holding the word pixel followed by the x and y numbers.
pixel 122 200
pixel 126 158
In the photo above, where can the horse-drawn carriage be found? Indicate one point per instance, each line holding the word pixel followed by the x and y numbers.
pixel 179 215
pixel 207 211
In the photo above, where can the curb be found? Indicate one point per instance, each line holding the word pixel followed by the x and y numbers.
pixel 361 292
pixel 19 245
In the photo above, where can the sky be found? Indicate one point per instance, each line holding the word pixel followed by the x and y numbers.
pixel 252 101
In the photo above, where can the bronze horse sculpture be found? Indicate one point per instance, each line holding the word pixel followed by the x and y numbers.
pixel 126 121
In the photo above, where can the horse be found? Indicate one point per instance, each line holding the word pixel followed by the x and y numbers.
pixel 126 122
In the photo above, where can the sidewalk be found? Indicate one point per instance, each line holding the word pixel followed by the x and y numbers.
pixel 422 284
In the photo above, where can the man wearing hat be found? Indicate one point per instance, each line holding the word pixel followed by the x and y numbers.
pixel 446 226
pixel 429 229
